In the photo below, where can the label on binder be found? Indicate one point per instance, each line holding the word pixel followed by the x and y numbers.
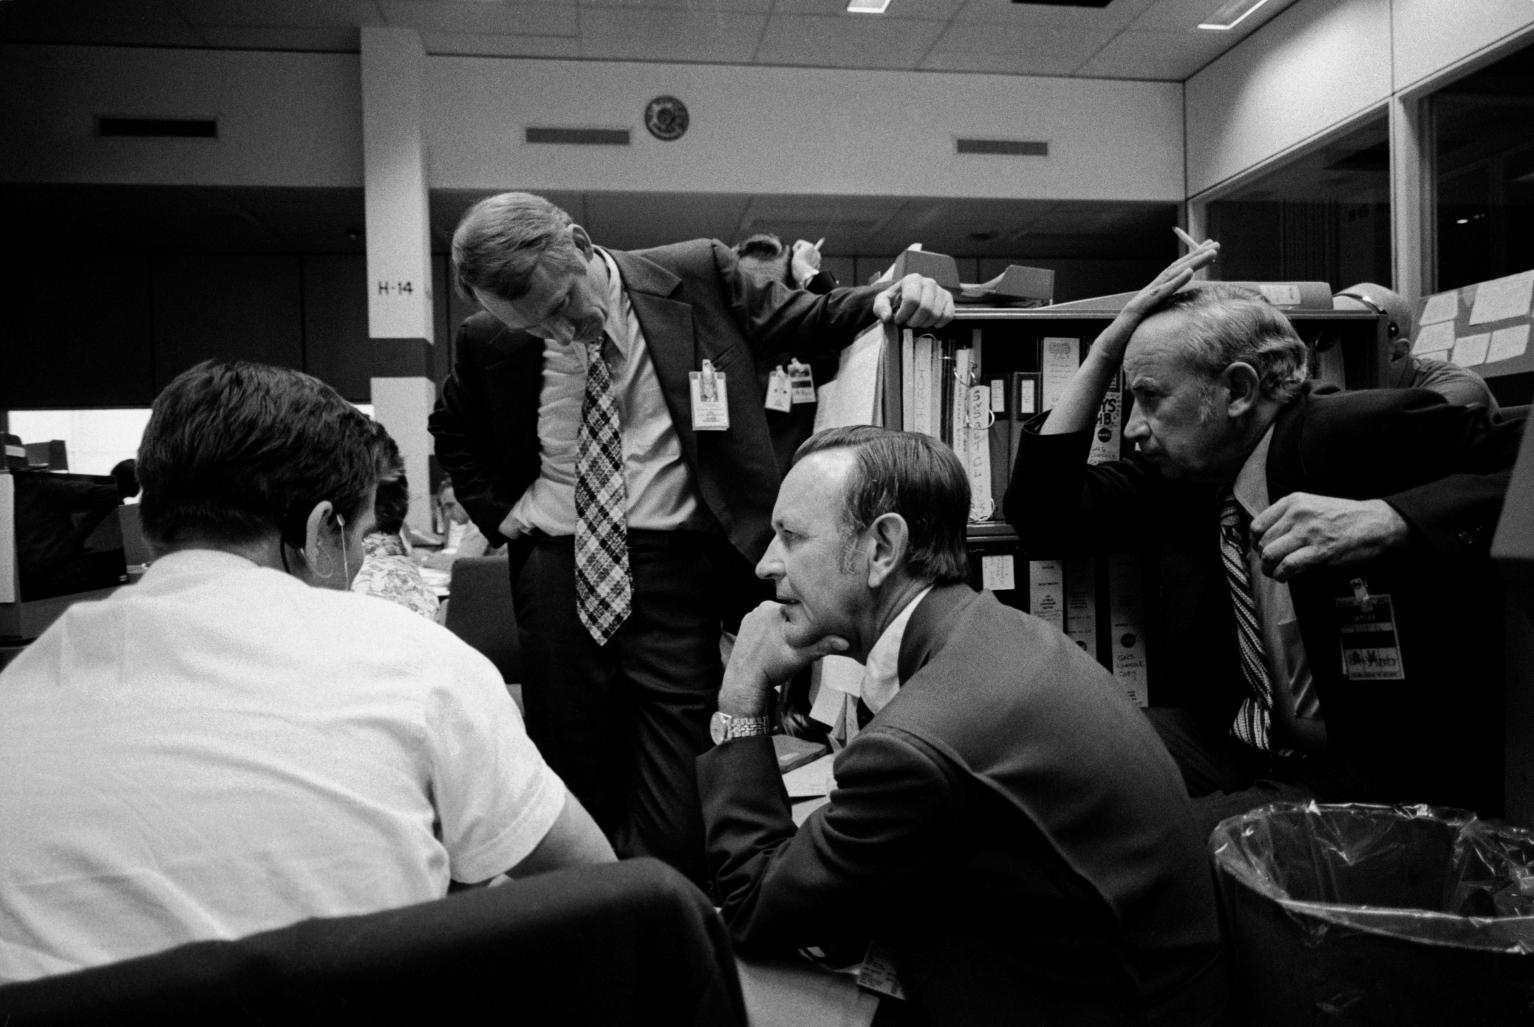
pixel 1126 625
pixel 1081 603
pixel 1046 592
pixel 997 573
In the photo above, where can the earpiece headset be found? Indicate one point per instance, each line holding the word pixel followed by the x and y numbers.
pixel 295 526
pixel 1391 328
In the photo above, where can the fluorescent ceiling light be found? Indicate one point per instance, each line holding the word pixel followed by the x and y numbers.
pixel 1231 14
pixel 867 6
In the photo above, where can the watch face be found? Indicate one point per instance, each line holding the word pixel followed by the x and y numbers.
pixel 716 728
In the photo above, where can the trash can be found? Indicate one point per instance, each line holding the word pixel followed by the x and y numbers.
pixel 1390 915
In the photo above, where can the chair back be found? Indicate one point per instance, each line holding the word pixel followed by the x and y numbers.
pixel 479 611
pixel 631 943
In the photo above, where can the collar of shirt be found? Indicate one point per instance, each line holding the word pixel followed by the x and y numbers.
pixel 620 324
pixel 1251 486
pixel 881 679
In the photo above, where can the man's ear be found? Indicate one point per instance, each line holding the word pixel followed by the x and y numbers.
pixel 890 538
pixel 316 527
pixel 1243 386
pixel 582 241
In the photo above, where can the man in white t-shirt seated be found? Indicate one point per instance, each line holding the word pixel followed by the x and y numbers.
pixel 237 742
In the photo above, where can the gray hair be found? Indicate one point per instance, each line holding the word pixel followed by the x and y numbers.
pixel 1227 324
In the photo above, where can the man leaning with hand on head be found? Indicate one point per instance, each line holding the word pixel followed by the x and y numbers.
pixel 1326 621
pixel 603 416
pixel 1006 826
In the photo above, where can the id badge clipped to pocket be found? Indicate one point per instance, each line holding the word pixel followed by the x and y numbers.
pixel 1366 627
pixel 710 411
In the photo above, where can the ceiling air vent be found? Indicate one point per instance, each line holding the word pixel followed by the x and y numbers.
pixel 1004 147
pixel 158 128
pixel 579 136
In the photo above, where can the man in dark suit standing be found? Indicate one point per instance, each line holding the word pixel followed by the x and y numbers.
pixel 1005 825
pixel 1328 624
pixel 603 417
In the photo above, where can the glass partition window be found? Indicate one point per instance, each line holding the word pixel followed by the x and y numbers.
pixel 1323 216
pixel 94 440
pixel 1483 149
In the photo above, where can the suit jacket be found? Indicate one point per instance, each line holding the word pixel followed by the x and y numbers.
pixel 693 303
pixel 1434 736
pixel 1009 824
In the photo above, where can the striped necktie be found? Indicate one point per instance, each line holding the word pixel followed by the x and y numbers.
pixel 1256 713
pixel 604 591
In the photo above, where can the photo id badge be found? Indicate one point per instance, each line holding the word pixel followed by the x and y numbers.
pixel 1366 627
pixel 710 412
pixel 802 379
pixel 777 390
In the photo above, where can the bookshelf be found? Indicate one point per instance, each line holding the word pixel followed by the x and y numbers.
pixel 1016 360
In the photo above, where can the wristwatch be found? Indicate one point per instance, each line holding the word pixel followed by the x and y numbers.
pixel 722 727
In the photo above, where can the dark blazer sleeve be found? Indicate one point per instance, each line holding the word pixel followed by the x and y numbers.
pixel 782 888
pixel 1445 468
pixel 485 425
pixel 777 319
pixel 1060 504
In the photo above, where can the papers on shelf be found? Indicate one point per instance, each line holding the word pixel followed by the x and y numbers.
pixel 1502 298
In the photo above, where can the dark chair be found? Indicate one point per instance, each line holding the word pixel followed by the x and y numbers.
pixel 479 611
pixel 617 944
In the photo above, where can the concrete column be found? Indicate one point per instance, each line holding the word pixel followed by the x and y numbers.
pixel 400 320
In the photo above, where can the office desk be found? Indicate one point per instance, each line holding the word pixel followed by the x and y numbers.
pixel 797 993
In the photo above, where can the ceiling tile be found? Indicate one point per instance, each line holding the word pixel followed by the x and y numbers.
pixel 930 10
pixel 1104 20
pixel 477 45
pixel 1167 56
pixel 847 42
pixel 1011 49
pixel 699 6
pixel 666 35
pixel 511 19
pixel 1184 15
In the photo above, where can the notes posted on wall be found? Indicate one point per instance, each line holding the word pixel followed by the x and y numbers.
pixel 1484 327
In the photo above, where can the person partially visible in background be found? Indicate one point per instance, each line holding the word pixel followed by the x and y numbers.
pixel 125 473
pixel 460 536
pixel 1452 382
pixel 388 571
pixel 765 258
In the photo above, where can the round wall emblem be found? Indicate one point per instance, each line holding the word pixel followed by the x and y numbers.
pixel 666 118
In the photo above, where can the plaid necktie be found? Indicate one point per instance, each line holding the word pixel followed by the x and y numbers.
pixel 1256 713
pixel 603 589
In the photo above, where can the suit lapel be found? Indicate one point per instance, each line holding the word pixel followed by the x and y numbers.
pixel 669 336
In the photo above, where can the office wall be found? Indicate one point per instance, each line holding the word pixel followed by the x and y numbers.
pixel 288 119
pixel 1312 67
pixel 284 119
pixel 802 130
pixel 1322 62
